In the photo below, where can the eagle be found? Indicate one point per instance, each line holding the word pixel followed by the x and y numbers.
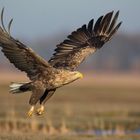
pixel 47 76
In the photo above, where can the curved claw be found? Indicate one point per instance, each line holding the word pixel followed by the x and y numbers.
pixel 40 110
pixel 31 111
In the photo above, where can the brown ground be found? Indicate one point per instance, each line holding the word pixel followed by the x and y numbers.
pixel 98 101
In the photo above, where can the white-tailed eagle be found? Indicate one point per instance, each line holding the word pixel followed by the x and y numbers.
pixel 46 76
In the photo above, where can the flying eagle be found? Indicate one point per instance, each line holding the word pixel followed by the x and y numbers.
pixel 46 76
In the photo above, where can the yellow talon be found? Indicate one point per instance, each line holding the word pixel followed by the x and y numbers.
pixel 40 110
pixel 31 111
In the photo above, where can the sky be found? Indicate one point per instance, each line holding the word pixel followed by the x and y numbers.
pixel 39 18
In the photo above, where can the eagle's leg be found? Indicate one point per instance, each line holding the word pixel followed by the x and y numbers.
pixel 31 111
pixel 40 110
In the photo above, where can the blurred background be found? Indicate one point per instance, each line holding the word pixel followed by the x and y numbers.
pixel 112 74
pixel 41 25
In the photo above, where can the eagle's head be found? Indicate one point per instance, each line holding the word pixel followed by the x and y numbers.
pixel 65 77
pixel 73 76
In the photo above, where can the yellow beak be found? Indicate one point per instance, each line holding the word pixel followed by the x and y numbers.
pixel 80 75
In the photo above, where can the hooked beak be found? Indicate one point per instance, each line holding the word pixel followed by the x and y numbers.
pixel 80 75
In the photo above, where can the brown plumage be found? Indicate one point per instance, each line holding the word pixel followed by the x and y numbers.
pixel 45 77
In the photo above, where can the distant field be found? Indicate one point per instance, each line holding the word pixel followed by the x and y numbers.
pixel 100 106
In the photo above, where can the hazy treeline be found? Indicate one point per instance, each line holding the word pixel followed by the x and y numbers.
pixel 122 53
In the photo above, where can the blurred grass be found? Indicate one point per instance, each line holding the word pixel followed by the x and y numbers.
pixel 80 107
pixel 66 137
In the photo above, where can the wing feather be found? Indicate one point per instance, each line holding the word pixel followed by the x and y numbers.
pixel 97 25
pixel 24 58
pixel 90 26
pixel 112 25
pixel 84 41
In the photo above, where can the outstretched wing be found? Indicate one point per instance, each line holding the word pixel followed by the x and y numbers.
pixel 86 40
pixel 22 57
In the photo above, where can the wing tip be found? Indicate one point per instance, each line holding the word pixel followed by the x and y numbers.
pixel 2 27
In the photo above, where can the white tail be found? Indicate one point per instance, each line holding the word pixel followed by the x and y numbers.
pixel 15 87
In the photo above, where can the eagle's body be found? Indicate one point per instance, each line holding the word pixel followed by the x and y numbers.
pixel 45 77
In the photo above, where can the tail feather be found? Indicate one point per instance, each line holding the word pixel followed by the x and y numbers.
pixel 19 87
pixel 15 87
